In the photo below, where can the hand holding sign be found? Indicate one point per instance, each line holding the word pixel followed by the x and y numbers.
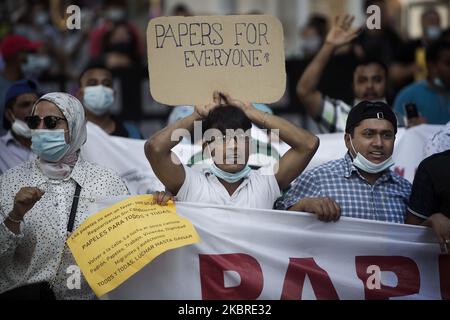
pixel 244 106
pixel 204 110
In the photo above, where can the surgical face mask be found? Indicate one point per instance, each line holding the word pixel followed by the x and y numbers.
pixel 20 128
pixel 433 32
pixel 116 14
pixel 438 83
pixel 98 99
pixel 35 64
pixel 50 145
pixel 126 48
pixel 311 45
pixel 228 176
pixel 368 166
pixel 41 18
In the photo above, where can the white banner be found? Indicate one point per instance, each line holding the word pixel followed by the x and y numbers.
pixel 265 254
pixel 124 156
pixel 127 158
pixel 410 149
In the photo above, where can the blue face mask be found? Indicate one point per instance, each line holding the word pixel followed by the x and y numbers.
pixel 98 99
pixel 228 176
pixel 433 32
pixel 50 145
pixel 368 166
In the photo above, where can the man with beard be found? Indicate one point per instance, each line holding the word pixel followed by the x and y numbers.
pixel 369 80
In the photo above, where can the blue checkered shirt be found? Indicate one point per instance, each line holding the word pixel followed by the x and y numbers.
pixel 386 200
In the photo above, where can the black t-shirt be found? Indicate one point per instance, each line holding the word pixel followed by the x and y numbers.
pixel 431 188
pixel 407 56
pixel 407 52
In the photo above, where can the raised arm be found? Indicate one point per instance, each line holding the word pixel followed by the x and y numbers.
pixel 339 35
pixel 164 162
pixel 303 144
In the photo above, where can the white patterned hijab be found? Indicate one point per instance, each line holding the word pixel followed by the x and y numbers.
pixel 73 111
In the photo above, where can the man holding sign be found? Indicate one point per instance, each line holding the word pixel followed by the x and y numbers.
pixel 244 56
pixel 229 180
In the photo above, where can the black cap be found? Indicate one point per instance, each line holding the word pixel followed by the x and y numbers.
pixel 370 110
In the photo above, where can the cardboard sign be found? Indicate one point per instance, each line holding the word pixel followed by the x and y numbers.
pixel 190 57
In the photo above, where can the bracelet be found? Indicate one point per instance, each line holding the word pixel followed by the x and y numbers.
pixel 264 120
pixel 13 220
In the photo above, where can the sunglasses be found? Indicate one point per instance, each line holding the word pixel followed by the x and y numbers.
pixel 50 121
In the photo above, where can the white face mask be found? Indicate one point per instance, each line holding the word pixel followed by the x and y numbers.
pixel 98 99
pixel 35 65
pixel 311 45
pixel 229 177
pixel 439 84
pixel 367 166
pixel 356 101
pixel 433 32
pixel 20 128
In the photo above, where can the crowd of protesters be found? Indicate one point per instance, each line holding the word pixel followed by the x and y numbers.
pixel 393 82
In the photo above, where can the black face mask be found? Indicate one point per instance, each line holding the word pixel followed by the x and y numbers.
pixel 126 48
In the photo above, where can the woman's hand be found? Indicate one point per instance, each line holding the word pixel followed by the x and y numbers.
pixel 24 200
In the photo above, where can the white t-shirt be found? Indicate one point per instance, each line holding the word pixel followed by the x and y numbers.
pixel 256 191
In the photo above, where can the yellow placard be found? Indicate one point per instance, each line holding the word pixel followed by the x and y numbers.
pixel 115 243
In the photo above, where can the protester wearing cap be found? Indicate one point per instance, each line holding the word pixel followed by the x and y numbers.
pixel 359 185
pixel 14 50
pixel 15 144
pixel 38 197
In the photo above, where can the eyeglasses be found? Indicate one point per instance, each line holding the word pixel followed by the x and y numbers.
pixel 49 121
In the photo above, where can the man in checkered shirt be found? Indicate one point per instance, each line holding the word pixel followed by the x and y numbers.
pixel 360 185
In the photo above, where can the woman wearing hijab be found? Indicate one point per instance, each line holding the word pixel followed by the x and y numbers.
pixel 43 200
